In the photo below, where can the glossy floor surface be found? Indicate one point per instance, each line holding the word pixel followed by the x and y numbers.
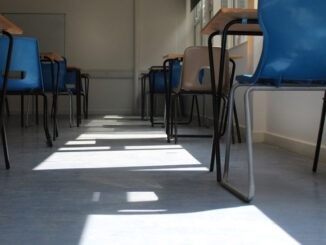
pixel 116 181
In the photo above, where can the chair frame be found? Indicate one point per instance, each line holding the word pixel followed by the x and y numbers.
pixel 172 111
pixel 247 197
pixel 173 99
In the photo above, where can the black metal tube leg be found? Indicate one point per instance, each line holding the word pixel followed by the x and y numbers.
pixel 3 98
pixel 5 146
pixel 320 135
pixel 216 111
pixel 22 112
pixel 45 121
pixel 211 167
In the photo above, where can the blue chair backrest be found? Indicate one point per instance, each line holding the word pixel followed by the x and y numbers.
pixel 158 77
pixel 157 80
pixel 71 78
pixel 49 84
pixel 176 73
pixel 294 41
pixel 25 57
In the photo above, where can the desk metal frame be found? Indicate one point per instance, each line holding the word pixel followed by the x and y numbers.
pixel 6 28
pixel 3 98
pixel 217 92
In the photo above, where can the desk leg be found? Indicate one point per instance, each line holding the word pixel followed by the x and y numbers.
pixel 3 99
pixel 167 87
pixel 216 109
pixel 143 96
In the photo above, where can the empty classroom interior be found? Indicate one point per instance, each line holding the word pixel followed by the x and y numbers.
pixel 115 179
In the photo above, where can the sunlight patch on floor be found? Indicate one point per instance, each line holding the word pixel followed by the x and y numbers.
pixel 122 136
pixel 240 225
pixel 171 169
pixel 117 159
pixel 83 148
pixel 141 196
pixel 81 142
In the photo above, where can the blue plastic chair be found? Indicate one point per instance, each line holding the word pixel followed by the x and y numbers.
pixel 73 76
pixel 293 59
pixel 25 58
pixel 54 73
pixel 158 84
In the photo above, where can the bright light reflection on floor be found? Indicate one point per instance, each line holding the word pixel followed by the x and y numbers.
pixel 110 136
pixel 133 211
pixel 113 117
pixel 240 225
pixel 141 196
pixel 85 148
pixel 118 159
pixel 150 147
pixel 81 142
pixel 191 169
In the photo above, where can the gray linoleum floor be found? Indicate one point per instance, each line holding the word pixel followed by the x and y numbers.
pixel 116 181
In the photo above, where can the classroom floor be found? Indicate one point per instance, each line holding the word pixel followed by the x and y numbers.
pixel 115 180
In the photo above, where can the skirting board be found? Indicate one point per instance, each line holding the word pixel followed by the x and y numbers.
pixel 297 146
pixel 300 147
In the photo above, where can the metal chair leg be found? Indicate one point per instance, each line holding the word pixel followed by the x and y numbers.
pixel 7 107
pixel 45 121
pixel 197 109
pixel 320 134
pixel 5 146
pixel 225 183
pixel 71 111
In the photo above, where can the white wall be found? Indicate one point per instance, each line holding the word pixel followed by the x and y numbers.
pixel 113 40
pixel 161 28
